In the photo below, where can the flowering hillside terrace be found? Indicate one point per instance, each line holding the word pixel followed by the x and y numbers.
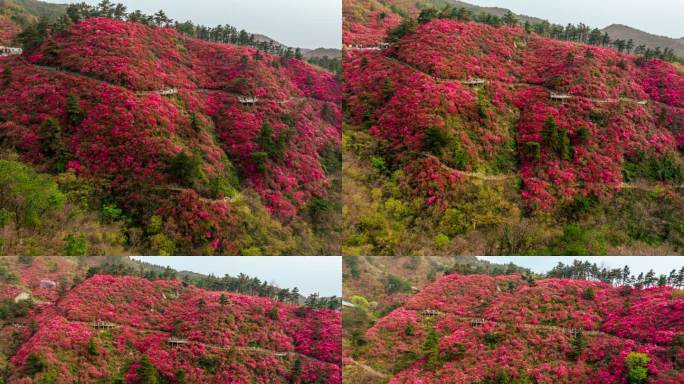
pixel 157 121
pixel 419 97
pixel 477 328
pixel 187 335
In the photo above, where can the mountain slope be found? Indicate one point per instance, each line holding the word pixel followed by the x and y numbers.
pixel 17 14
pixel 617 31
pixel 179 332
pixel 177 128
pixel 492 329
pixel 455 112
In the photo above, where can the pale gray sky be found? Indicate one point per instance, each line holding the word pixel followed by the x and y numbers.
pixel 322 274
pixel 296 23
pixel 542 264
pixel 660 17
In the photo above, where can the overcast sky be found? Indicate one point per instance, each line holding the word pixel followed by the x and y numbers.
pixel 542 264
pixel 296 23
pixel 660 17
pixel 310 274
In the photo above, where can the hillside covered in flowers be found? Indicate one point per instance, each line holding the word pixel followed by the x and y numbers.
pixel 505 329
pixel 479 134
pixel 106 328
pixel 192 146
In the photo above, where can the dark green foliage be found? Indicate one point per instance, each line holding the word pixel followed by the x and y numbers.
pixel 296 373
pixel 209 363
pixel 333 64
pixel 388 89
pixel 663 168
pixel 409 330
pixel 589 294
pixel 34 364
pixel 273 313
pixel 75 245
pixel 582 135
pixel 396 284
pixel 599 117
pixel 10 310
pixel 92 347
pixel 579 241
pixel 195 122
pixel 434 140
pixel 7 74
pixel 147 373
pixel 430 350
pixel 533 150
pixel 75 113
pixel 557 139
pixel 34 34
pixel 184 168
pixel 27 196
pixel 353 264
pixel 179 376
pixel 271 146
pixel 577 344
pixel 492 339
pixel 6 276
pixel 223 300
pixel 405 27
pixel 52 145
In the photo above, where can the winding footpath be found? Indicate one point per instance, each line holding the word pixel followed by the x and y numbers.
pixel 172 91
pixel 514 83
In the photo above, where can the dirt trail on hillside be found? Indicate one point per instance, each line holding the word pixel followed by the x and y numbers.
pixel 206 345
pixel 523 84
pixel 538 327
pixel 168 91
pixel 512 176
pixel 370 370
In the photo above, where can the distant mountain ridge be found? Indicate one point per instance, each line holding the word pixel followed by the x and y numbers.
pixel 624 32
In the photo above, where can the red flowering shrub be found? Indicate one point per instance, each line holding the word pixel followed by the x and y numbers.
pixel 414 98
pixel 239 339
pixel 89 100
pixel 478 328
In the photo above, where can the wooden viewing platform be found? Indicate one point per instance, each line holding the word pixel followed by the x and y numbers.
pixel 10 51
pixel 177 342
pixel 169 92
pixel 247 100
pixel 103 324
pixel 477 322
pixel 474 81
pixel 430 312
pixel 560 96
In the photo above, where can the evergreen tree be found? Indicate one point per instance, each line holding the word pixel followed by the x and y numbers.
pixel 147 373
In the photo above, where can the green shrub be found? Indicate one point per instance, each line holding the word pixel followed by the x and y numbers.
pixel 154 226
pixel 184 168
pixel 75 245
pixel 441 241
pixel 434 140
pixel 161 245
pixel 636 364
pixel 27 195
pixel 111 213
pixel 533 150
pixel 396 284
